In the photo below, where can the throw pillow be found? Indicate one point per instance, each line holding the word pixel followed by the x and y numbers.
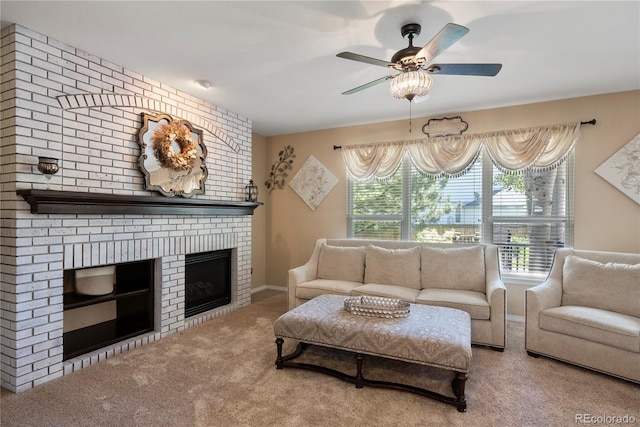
pixel 607 286
pixel 454 268
pixel 341 263
pixel 400 267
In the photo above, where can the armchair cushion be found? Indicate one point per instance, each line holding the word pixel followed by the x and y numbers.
pixel 341 263
pixel 606 327
pixel 606 286
pixel 455 268
pixel 400 267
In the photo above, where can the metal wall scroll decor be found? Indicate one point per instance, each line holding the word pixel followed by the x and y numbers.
pixel 172 156
pixel 446 126
pixel 278 173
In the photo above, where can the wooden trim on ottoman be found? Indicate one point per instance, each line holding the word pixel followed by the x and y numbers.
pixel 457 384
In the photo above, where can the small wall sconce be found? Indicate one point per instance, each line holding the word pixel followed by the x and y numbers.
pixel 48 165
pixel 251 192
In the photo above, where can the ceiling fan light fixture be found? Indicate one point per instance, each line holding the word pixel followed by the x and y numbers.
pixel 410 84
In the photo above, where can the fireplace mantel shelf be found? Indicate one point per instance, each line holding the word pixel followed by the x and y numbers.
pixel 73 202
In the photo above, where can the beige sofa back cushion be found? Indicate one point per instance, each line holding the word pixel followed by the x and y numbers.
pixel 455 268
pixel 607 286
pixel 341 263
pixel 400 267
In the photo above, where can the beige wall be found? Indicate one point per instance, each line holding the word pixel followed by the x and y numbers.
pixel 605 219
pixel 259 219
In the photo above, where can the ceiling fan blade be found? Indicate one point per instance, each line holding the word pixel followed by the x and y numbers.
pixel 465 69
pixel 367 85
pixel 365 59
pixel 448 35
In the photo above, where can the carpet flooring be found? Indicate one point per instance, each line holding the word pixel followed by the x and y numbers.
pixel 222 373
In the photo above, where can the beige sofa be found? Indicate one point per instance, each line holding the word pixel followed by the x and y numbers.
pixel 587 312
pixel 457 276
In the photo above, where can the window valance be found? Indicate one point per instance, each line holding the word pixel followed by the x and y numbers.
pixel 535 149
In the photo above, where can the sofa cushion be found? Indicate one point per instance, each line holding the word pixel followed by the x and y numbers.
pixel 313 288
pixel 400 267
pixel 606 327
pixel 341 263
pixel 474 303
pixel 389 291
pixel 611 286
pixel 454 268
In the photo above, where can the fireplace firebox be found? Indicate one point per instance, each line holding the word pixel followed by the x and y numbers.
pixel 207 281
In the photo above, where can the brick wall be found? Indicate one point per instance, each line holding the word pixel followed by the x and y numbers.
pixel 61 102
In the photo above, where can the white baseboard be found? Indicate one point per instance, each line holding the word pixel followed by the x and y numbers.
pixel 516 319
pixel 271 288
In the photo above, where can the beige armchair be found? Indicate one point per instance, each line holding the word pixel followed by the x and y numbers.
pixel 587 312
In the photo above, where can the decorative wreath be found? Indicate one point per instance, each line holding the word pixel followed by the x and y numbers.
pixel 162 139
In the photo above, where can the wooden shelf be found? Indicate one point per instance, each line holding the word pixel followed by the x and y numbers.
pixel 91 338
pixel 73 300
pixel 73 202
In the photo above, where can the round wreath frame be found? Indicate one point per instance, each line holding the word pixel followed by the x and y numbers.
pixel 162 139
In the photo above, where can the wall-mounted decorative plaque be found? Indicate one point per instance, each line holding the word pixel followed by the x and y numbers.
pixel 446 126
pixel 172 157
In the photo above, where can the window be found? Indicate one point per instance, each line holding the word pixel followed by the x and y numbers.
pixel 528 215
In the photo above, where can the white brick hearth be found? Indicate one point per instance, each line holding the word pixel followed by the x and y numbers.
pixel 61 102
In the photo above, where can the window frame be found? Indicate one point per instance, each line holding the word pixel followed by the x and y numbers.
pixel 488 219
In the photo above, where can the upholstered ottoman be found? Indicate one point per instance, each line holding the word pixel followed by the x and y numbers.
pixel 430 335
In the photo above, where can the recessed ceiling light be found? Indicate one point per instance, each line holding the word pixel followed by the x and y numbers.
pixel 204 84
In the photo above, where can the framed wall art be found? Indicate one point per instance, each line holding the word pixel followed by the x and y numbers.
pixel 313 182
pixel 622 170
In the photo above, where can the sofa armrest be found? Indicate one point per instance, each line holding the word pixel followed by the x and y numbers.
pixel 548 294
pixel 304 273
pixel 496 290
pixel 545 295
pixel 496 293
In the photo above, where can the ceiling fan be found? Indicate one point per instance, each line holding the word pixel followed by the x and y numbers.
pixel 414 63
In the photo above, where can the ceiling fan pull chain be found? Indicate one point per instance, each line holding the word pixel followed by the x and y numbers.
pixel 410 116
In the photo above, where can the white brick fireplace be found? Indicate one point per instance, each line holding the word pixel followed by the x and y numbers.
pixel 60 102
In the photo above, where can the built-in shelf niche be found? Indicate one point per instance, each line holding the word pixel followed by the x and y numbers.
pixel 94 322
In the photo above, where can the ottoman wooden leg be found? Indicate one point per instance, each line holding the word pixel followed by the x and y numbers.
pixel 359 378
pixel 279 360
pixel 458 389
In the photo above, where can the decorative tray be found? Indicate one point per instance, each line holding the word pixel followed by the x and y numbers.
pixel 376 306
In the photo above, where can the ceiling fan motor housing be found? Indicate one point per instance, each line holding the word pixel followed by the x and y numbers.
pixel 405 57
pixel 410 30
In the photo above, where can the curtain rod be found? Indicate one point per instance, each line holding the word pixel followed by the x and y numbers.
pixel 588 122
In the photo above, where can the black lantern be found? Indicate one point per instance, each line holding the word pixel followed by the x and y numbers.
pixel 251 192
